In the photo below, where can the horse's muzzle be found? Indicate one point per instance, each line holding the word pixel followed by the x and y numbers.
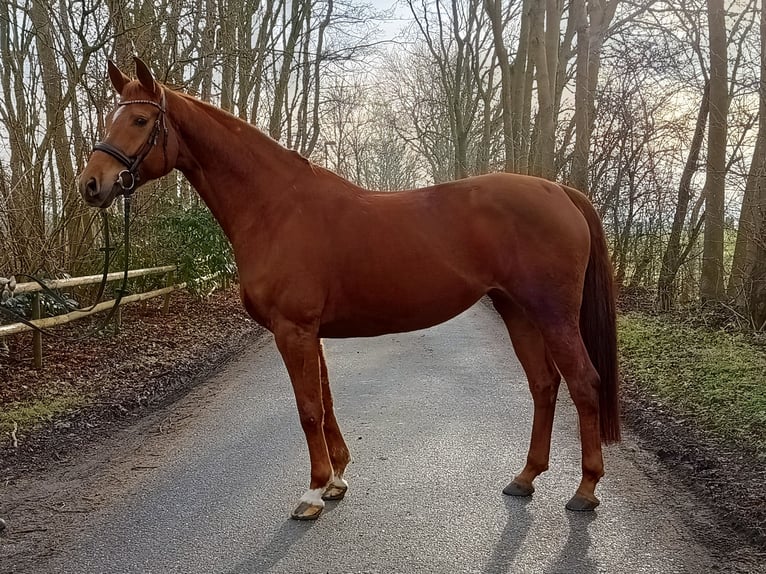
pixel 94 194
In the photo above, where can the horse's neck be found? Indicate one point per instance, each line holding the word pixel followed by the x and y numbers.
pixel 244 177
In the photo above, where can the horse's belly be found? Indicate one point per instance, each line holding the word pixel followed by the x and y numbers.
pixel 373 327
pixel 371 320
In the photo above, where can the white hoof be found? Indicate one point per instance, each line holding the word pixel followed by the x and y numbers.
pixel 310 505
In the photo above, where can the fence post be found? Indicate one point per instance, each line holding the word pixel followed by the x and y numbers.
pixel 37 336
pixel 168 282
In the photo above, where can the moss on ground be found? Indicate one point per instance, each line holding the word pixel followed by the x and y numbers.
pixel 716 379
pixel 24 416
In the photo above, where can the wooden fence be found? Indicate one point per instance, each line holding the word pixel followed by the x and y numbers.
pixel 48 322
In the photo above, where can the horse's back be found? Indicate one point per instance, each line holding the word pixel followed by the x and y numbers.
pixel 507 223
pixel 530 206
pixel 409 260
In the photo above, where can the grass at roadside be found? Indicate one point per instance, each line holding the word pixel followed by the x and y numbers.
pixel 716 379
pixel 24 416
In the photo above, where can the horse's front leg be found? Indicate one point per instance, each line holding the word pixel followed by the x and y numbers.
pixel 300 350
pixel 339 455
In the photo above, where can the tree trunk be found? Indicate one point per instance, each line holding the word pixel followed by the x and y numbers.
pixel 592 27
pixel 521 90
pixel 297 16
pixel 712 286
pixel 578 176
pixel 757 184
pixel 543 165
pixel 268 23
pixel 245 58
pixel 118 19
pixel 742 262
pixel 671 260
pixel 494 11
pixel 226 38
pixel 318 61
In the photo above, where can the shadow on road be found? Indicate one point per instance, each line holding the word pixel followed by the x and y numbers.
pixel 574 556
pixel 512 536
pixel 271 551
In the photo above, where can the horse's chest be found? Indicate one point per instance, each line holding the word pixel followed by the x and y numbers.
pixel 298 297
pixel 257 307
pixel 260 285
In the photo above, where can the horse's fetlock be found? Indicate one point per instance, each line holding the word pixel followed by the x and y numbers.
pixel 340 455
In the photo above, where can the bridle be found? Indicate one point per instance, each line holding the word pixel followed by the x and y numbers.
pixel 128 179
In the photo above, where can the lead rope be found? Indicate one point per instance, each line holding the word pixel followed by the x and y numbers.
pixel 127 201
pixel 121 291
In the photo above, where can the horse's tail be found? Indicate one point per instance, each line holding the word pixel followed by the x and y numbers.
pixel 598 323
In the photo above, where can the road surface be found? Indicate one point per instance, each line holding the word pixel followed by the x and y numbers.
pixel 438 422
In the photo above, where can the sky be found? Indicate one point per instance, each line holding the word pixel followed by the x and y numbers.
pixel 400 18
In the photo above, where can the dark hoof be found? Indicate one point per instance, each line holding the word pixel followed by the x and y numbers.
pixel 306 511
pixel 334 492
pixel 517 489
pixel 580 503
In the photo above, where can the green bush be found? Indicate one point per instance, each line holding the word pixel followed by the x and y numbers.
pixel 189 238
pixel 193 240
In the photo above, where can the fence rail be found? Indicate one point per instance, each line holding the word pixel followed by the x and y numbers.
pixel 39 321
pixel 90 279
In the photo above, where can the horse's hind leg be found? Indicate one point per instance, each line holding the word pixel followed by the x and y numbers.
pixel 544 380
pixel 566 346
pixel 339 455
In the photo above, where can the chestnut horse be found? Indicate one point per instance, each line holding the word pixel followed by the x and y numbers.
pixel 321 257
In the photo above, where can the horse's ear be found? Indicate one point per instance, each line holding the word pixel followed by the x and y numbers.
pixel 144 75
pixel 119 80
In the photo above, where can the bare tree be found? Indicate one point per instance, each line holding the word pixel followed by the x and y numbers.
pixel 449 33
pixel 672 258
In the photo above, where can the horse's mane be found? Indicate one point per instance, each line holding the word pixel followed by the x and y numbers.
pixel 225 117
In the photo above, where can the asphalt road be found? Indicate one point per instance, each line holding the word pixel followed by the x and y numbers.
pixel 438 422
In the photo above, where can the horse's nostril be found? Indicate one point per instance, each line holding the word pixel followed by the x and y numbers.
pixel 91 188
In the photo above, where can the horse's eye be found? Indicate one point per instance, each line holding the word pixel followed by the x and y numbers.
pixel 140 121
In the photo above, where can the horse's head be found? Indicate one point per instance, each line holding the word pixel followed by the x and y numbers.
pixel 140 144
